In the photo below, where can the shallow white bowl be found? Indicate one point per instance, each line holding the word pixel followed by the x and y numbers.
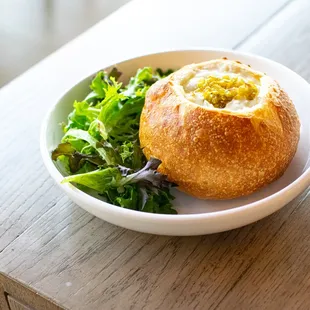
pixel 195 216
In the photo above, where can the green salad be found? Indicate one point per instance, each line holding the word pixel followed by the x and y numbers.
pixel 100 149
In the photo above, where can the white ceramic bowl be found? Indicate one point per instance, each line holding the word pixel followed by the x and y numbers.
pixel 195 216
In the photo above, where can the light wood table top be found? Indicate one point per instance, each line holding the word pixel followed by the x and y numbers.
pixel 60 252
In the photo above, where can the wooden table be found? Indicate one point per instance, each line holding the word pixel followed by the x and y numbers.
pixel 54 253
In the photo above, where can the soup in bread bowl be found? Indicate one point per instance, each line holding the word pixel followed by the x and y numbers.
pixel 221 129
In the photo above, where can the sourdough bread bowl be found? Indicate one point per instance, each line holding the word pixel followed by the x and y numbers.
pixel 221 129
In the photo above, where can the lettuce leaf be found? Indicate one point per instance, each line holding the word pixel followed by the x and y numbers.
pixel 76 160
pixel 101 82
pixel 82 116
pixel 105 150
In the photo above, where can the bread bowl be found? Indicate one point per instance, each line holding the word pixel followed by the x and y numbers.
pixel 221 129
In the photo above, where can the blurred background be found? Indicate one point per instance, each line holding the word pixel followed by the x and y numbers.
pixel 30 30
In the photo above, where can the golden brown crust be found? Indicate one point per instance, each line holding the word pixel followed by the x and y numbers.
pixel 214 154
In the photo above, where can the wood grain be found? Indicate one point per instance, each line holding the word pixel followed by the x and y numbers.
pixel 16 305
pixel 18 295
pixel 82 262
pixel 3 299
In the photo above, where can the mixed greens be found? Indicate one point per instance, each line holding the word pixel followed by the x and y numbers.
pixel 100 148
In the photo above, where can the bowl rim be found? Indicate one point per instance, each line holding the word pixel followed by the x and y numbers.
pixel 290 191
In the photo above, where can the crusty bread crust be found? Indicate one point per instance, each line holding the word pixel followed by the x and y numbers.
pixel 214 154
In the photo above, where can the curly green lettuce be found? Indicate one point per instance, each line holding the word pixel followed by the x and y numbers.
pixel 100 148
